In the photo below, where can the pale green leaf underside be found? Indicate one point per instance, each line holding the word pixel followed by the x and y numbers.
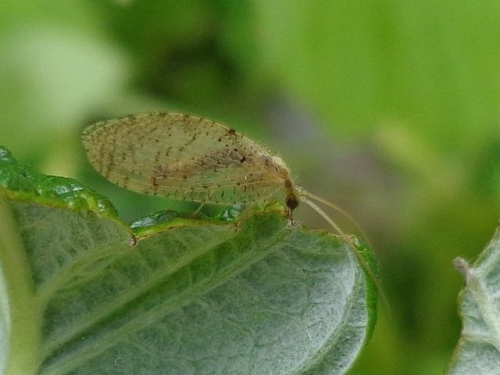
pixel 478 350
pixel 253 297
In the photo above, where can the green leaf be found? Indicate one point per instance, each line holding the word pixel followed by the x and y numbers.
pixel 82 293
pixel 478 350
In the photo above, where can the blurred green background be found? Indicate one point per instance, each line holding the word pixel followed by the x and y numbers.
pixel 388 108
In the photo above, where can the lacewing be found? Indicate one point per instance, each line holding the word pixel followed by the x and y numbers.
pixel 191 158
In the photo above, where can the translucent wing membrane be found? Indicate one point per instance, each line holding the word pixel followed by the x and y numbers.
pixel 182 157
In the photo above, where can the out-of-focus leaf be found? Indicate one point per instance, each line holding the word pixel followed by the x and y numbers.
pixel 478 350
pixel 429 65
pixel 55 65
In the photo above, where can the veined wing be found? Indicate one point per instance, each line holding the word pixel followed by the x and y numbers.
pixel 182 157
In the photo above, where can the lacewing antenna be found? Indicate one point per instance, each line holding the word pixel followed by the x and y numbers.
pixel 347 238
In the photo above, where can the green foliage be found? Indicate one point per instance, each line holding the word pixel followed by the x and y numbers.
pixel 82 294
pixel 425 64
pixel 389 108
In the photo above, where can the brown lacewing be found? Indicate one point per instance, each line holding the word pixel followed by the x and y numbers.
pixel 190 158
